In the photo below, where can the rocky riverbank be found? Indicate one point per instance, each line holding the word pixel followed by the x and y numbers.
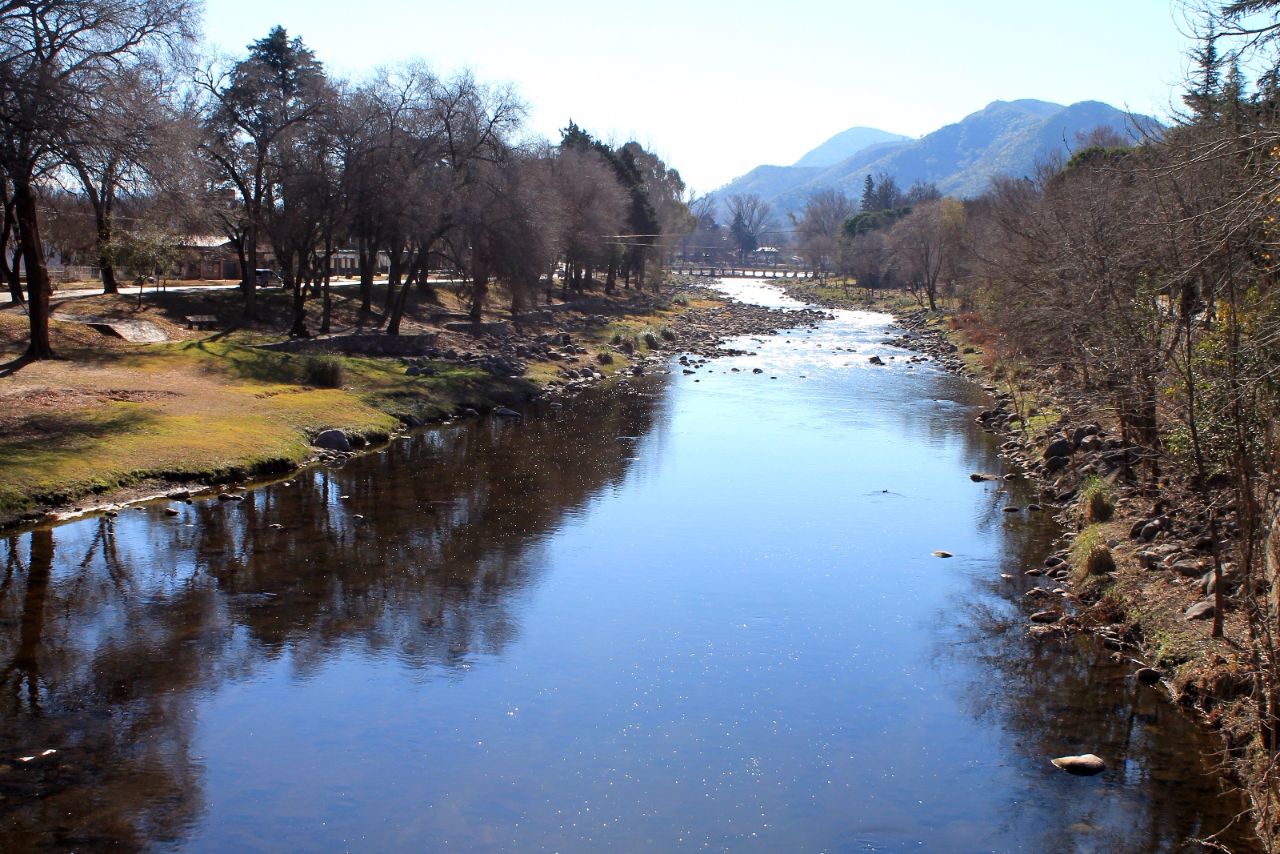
pixel 1145 569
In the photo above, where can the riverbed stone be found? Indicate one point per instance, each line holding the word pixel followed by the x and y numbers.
pixel 332 440
pixel 1084 765
pixel 1061 447
pixel 1149 675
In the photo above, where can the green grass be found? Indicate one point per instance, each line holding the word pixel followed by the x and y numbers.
pixel 241 410
pixel 1097 500
pixel 1090 555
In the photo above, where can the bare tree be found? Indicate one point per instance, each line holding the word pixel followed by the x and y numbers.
pixel 923 242
pixel 248 108
pixel 819 226
pixel 56 60
pixel 750 218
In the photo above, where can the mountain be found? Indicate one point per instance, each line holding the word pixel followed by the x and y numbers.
pixel 844 145
pixel 1003 138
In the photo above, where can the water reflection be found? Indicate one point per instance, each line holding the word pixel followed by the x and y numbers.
pixel 115 629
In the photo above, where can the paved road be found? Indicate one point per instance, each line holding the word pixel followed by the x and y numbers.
pixel 81 293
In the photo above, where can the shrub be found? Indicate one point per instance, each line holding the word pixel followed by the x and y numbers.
pixel 322 371
pixel 1097 501
pixel 1090 555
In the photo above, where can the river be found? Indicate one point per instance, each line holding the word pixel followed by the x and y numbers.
pixel 694 611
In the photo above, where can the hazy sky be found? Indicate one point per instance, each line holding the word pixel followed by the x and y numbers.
pixel 717 87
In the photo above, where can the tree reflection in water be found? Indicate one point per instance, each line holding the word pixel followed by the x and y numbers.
pixel 1054 698
pixel 109 627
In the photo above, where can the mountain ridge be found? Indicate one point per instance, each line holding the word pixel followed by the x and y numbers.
pixel 1003 138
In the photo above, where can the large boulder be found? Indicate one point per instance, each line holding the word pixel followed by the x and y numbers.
pixel 332 440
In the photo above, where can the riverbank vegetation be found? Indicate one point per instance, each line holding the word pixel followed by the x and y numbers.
pixel 1137 280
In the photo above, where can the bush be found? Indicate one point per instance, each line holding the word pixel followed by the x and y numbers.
pixel 1090 555
pixel 322 371
pixel 1097 501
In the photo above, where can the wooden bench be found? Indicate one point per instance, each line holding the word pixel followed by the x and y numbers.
pixel 201 321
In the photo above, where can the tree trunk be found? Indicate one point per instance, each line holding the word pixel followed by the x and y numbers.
pixel 38 289
pixel 102 213
pixel 249 272
pixel 394 275
pixel 367 259
pixel 326 304
pixel 299 327
pixel 479 292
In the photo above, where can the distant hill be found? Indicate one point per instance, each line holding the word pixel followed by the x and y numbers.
pixel 844 145
pixel 1003 138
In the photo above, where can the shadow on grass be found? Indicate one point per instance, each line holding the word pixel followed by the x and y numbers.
pixel 61 432
pixel 8 369
pixel 249 363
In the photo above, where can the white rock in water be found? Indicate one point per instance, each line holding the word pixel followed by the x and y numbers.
pixel 1085 765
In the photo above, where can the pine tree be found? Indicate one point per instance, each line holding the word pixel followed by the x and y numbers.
pixel 868 194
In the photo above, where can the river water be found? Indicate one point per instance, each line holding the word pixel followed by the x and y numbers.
pixel 694 612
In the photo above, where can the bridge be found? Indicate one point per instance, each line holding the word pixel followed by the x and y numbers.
pixel 720 271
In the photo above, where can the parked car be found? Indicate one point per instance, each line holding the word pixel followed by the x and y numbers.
pixel 268 277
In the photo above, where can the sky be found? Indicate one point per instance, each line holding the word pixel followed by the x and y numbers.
pixel 717 87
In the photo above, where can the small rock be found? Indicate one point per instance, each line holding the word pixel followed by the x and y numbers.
pixel 1011 509
pixel 876 360
pixel 1200 611
pixel 1187 568
pixel 1085 765
pixel 1041 631
pixel 1149 675
pixel 1045 616
pixel 941 553
pixel 506 413
pixel 1059 448
pixel 170 511
pixel 276 526
pixel 332 440
pixel 1056 463
pixel 978 477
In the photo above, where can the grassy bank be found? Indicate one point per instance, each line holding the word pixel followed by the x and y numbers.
pixel 110 419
